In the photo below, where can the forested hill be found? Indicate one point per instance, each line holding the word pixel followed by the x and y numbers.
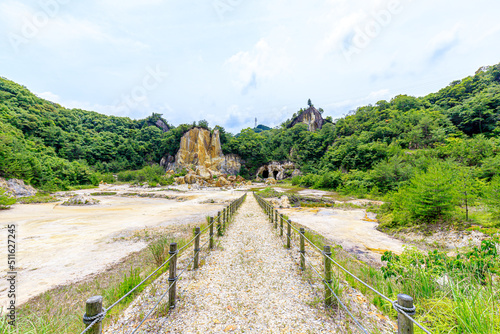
pixel 372 134
pixel 373 149
pixel 50 146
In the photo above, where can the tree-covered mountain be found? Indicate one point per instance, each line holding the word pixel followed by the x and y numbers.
pixel 51 146
pixel 374 149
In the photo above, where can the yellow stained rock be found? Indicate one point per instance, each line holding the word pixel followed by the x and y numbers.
pixel 230 328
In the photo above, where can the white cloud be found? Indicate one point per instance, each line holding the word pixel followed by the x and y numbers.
pixel 262 63
pixel 443 42
pixel 49 96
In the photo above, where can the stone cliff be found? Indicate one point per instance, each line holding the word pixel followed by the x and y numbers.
pixel 201 149
pixel 312 117
pixel 277 170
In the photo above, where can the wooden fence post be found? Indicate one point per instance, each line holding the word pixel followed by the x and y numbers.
pixel 211 223
pixel 224 216
pixel 405 325
pixel 172 276
pixel 196 248
pixel 281 226
pixel 275 218
pixel 221 223
pixel 288 233
pixel 93 307
pixel 328 275
pixel 302 250
pixel 219 229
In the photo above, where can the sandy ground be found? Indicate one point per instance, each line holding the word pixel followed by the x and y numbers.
pixel 348 229
pixel 59 244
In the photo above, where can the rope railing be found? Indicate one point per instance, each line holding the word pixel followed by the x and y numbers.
pixel 403 305
pixel 95 312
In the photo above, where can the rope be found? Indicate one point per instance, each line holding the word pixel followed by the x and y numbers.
pixel 336 297
pixel 163 296
pixel 407 312
pixel 92 320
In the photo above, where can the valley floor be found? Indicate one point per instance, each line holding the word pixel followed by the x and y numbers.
pixel 59 245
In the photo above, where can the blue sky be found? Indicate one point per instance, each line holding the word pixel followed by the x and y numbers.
pixel 229 61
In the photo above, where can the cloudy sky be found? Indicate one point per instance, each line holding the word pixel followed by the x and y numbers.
pixel 231 61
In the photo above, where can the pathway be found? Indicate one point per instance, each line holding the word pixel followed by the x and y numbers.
pixel 251 285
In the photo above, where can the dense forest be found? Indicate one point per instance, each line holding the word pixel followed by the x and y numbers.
pixel 443 148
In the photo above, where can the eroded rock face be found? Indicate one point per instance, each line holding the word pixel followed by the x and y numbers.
pixel 17 188
pixel 277 170
pixel 311 117
pixel 201 148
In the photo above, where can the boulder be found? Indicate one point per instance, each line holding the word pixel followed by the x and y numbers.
pixel 240 179
pixel 231 178
pixel 222 182
pixel 271 181
pixel 284 202
pixel 191 178
pixel 203 172
pixel 180 180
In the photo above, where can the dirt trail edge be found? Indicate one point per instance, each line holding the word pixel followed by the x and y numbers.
pixel 248 284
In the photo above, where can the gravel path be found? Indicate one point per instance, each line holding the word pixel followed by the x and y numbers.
pixel 249 285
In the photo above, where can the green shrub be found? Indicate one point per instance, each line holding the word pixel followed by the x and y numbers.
pixel 5 201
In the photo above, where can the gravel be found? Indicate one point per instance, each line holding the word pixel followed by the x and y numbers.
pixel 249 284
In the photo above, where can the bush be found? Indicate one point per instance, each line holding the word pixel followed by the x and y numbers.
pixel 329 180
pixel 5 200
pixel 428 197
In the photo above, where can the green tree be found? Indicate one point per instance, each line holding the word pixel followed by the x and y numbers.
pixel 467 188
pixel 428 197
pixel 493 197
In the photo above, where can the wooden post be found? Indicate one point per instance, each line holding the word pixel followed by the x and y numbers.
pixel 221 222
pixel 224 216
pixel 328 275
pixel 196 248
pixel 405 326
pixel 302 250
pixel 211 222
pixel 219 229
pixel 172 276
pixel 275 219
pixel 288 233
pixel 93 307
pixel 281 226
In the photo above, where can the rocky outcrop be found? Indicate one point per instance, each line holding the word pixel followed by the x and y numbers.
pixel 161 124
pixel 201 149
pixel 80 199
pixel 17 188
pixel 312 117
pixel 282 202
pixel 277 170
